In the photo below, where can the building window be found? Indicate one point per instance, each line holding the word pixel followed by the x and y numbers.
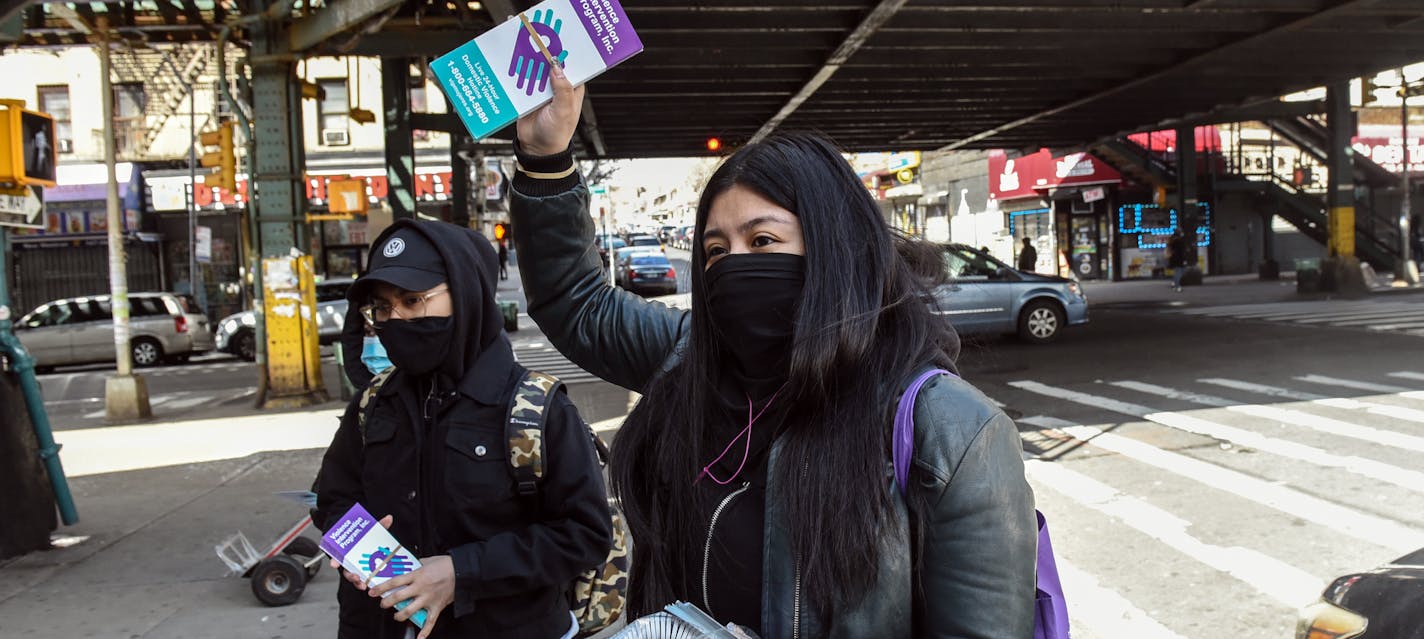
pixel 332 112
pixel 54 100
pixel 129 103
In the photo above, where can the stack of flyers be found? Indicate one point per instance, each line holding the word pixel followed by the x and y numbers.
pixel 365 548
pixel 504 73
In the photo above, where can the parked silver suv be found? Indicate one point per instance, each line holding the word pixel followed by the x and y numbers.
pixel 164 327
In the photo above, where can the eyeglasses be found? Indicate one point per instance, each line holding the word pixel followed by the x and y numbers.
pixel 412 306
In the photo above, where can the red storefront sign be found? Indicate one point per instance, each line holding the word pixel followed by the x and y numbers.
pixel 1029 175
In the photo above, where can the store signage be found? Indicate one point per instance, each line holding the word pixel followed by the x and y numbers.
pixel 1388 152
pixel 899 161
pixel 1094 194
pixel 21 207
pixel 1029 175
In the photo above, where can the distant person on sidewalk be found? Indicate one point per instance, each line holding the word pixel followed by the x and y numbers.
pixel 428 453
pixel 1028 256
pixel 1177 258
pixel 503 260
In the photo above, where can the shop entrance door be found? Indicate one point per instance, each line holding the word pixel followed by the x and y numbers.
pixel 1083 240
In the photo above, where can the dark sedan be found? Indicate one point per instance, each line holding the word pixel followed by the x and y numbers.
pixel 646 274
pixel 1384 603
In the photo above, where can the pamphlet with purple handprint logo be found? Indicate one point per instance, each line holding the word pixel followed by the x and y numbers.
pixel 364 547
pixel 502 74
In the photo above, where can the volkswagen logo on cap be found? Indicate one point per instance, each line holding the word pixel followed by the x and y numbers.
pixel 393 247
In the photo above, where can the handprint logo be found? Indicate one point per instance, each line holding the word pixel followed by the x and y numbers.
pixel 528 66
pixel 397 565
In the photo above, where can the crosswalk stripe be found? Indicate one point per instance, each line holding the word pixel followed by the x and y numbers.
pixel 1408 375
pixel 1333 317
pixel 1396 412
pixel 1395 327
pixel 1376 530
pixel 188 403
pixel 1269 576
pixel 1410 479
pixel 1299 418
pixel 1096 610
pixel 1375 321
pixel 1350 383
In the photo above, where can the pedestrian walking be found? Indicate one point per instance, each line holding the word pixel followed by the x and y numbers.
pixel 1028 256
pixel 425 451
pixel 503 260
pixel 1177 258
pixel 753 470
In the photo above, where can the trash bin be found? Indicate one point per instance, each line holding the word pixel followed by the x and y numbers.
pixel 1307 275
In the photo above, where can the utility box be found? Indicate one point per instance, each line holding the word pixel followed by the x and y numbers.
pixel 28 501
pixel 293 349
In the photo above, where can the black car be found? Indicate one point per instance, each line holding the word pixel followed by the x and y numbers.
pixel 646 274
pixel 1384 603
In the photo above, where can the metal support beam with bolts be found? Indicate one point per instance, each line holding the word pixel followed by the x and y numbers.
pixel 853 42
pixel 1163 72
pixel 333 19
pixel 1341 269
pixel 277 183
pixel 400 143
pixel 1187 203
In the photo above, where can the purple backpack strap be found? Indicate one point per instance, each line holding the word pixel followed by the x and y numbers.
pixel 1051 609
pixel 903 442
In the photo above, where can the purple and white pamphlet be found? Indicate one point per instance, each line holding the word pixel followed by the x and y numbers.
pixel 364 547
pixel 502 74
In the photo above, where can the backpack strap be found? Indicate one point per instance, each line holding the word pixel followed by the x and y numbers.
pixel 902 443
pixel 368 396
pixel 524 429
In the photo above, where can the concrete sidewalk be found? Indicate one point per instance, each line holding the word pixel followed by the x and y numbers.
pixel 1216 290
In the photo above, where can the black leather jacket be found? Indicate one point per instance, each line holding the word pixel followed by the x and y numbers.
pixel 980 534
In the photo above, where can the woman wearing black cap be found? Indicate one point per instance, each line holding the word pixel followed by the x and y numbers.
pixel 755 471
pixel 431 455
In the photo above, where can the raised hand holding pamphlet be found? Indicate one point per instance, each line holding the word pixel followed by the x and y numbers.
pixel 504 73
pixel 365 548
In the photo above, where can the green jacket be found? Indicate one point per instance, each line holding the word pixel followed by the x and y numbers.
pixel 980 532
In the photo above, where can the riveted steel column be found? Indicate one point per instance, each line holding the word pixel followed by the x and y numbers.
pixel 459 182
pixel 1339 156
pixel 400 145
pixel 276 180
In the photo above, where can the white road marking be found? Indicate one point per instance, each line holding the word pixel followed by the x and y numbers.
pixel 1300 418
pixel 1408 375
pixel 1094 609
pixel 1350 383
pixel 1410 479
pixel 1376 530
pixel 1276 579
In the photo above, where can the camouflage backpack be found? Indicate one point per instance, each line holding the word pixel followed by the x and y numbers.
pixel 596 597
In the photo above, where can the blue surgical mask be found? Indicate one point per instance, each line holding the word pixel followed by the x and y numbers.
pixel 373 354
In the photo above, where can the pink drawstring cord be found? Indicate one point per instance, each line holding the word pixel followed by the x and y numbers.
pixel 707 470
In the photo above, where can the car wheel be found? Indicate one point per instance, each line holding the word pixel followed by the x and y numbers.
pixel 245 345
pixel 146 352
pixel 1040 322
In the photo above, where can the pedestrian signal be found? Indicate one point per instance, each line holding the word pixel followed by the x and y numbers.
pixel 500 231
pixel 224 159
pixel 27 146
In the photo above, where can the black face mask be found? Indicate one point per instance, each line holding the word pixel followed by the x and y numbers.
pixel 417 346
pixel 752 298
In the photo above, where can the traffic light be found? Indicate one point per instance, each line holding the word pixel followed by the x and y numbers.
pixel 500 231
pixel 1368 85
pixel 224 159
pixel 27 146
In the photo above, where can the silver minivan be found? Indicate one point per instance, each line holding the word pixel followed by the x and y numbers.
pixel 164 327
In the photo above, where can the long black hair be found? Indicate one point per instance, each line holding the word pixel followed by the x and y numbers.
pixel 863 324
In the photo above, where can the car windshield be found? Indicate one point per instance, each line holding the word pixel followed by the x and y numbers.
pixel 645 241
pixel 614 243
pixel 966 264
pixel 331 291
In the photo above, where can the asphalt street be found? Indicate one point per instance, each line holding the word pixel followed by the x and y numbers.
pixel 1205 468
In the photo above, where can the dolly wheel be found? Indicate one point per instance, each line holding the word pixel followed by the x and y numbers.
pixel 308 553
pixel 279 581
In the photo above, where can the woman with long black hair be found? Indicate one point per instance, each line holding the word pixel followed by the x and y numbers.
pixel 755 472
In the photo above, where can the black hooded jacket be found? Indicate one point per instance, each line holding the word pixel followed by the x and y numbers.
pixel 433 454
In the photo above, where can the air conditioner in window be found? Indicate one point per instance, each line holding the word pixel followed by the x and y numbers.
pixel 335 137
pixel 66 146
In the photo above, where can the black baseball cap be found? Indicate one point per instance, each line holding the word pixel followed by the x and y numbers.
pixel 405 259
